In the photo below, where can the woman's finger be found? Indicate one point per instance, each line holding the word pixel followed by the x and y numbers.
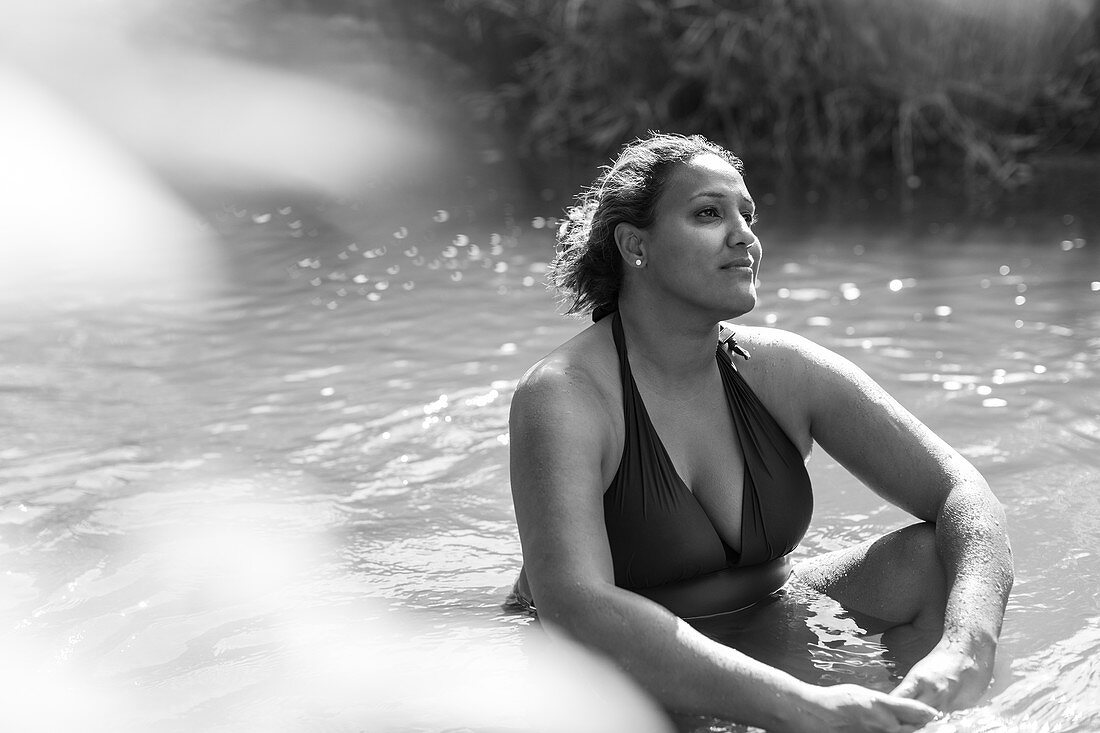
pixel 912 711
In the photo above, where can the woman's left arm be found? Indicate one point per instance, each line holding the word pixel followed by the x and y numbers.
pixel 891 451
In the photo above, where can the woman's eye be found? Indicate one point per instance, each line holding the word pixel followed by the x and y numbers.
pixel 709 212
pixel 750 217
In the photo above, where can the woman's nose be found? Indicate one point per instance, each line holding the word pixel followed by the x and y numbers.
pixel 740 234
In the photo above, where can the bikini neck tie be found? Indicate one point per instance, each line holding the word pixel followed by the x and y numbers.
pixel 726 340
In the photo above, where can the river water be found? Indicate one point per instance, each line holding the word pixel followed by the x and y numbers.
pixel 280 502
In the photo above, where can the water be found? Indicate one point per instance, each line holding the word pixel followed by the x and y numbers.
pixel 279 501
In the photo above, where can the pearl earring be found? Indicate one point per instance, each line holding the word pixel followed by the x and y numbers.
pixel 638 263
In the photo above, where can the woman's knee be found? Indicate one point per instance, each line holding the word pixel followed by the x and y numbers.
pixel 918 554
pixel 921 559
pixel 918 541
pixel 909 552
pixel 897 578
pixel 922 534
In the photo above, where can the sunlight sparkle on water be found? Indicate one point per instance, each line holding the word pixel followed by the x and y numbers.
pixel 481 400
pixel 804 294
pixel 439 405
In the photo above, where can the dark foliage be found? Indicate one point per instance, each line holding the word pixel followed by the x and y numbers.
pixel 976 89
pixel 978 86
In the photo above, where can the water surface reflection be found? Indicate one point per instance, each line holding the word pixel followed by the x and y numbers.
pixel 239 511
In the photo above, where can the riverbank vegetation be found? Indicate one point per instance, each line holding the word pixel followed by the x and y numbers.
pixel 974 90
pixel 979 87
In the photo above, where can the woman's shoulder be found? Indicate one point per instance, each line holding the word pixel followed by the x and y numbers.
pixel 783 363
pixel 775 345
pixel 584 368
pixel 565 405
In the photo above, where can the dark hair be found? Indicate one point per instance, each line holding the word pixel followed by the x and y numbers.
pixel 587 270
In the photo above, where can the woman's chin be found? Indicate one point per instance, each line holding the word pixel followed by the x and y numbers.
pixel 742 304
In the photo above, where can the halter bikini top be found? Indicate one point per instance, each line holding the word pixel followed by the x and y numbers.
pixel 659 533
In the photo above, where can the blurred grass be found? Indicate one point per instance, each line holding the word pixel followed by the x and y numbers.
pixel 973 92
pixel 977 86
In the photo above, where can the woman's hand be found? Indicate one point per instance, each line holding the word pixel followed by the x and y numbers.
pixel 949 677
pixel 858 709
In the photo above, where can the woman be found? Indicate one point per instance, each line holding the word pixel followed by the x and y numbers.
pixel 658 472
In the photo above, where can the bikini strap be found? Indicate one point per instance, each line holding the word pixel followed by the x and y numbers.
pixel 726 340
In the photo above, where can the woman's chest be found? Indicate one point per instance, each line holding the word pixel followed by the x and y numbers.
pixel 702 444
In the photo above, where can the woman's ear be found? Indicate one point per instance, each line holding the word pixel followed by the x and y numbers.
pixel 631 243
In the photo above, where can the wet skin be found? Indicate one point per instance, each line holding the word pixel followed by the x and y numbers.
pixel 698 262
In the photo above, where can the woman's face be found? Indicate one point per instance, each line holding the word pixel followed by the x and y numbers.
pixel 700 249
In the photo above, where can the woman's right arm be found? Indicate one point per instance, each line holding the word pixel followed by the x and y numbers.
pixel 560 439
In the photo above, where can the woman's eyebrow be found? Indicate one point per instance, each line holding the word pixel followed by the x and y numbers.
pixel 721 195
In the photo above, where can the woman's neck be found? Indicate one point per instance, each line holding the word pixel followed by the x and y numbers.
pixel 670 351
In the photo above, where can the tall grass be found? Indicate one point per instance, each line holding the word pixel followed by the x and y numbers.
pixel 976 86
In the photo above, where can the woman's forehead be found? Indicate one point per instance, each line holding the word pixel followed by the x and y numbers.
pixel 706 173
